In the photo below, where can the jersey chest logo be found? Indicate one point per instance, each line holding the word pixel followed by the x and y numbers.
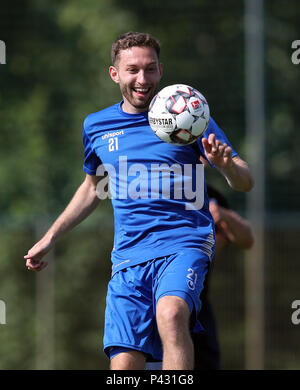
pixel 113 139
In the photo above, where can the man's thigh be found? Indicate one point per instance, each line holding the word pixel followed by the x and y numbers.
pixel 183 275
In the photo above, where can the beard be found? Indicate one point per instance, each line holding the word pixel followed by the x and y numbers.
pixel 138 102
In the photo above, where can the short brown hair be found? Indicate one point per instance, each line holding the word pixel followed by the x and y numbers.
pixel 132 39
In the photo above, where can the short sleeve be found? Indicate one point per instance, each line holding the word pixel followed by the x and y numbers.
pixel 91 160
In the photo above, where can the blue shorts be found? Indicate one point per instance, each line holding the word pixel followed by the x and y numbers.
pixel 134 292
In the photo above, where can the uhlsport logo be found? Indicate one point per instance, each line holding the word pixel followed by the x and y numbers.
pixel 152 181
pixel 2 313
pixel 2 53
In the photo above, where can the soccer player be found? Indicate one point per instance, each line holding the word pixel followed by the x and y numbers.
pixel 164 234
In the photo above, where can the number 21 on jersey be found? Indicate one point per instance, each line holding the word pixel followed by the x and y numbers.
pixel 113 144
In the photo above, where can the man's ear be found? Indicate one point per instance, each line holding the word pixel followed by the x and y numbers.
pixel 114 74
pixel 161 69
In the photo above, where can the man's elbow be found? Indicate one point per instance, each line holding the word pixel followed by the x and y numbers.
pixel 249 184
pixel 246 180
pixel 245 185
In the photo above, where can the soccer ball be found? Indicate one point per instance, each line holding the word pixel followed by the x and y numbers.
pixel 178 114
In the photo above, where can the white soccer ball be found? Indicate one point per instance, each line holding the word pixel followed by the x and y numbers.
pixel 178 114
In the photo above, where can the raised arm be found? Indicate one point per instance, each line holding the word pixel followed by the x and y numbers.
pixel 234 169
pixel 84 201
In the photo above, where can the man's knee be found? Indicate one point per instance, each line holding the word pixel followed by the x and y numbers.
pixel 172 315
pixel 130 360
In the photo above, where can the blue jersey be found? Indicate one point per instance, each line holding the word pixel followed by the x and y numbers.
pixel 157 190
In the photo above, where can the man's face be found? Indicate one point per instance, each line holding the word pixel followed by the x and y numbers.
pixel 138 72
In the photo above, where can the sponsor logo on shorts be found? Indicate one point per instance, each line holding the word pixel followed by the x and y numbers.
pixel 191 279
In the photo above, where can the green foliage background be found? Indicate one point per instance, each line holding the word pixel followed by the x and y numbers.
pixel 56 74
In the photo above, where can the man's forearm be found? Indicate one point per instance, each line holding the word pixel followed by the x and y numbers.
pixel 82 204
pixel 238 175
pixel 84 201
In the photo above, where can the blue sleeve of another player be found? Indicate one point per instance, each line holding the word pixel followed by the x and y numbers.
pixel 220 135
pixel 91 160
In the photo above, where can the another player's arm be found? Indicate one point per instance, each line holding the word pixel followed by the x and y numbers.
pixel 234 169
pixel 232 226
pixel 84 201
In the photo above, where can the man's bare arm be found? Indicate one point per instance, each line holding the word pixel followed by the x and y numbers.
pixel 82 204
pixel 234 169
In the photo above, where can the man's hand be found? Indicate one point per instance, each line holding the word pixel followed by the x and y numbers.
pixel 36 253
pixel 217 153
pixel 234 169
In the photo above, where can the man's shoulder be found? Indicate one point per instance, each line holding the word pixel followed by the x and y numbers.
pixel 101 116
pixel 212 125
